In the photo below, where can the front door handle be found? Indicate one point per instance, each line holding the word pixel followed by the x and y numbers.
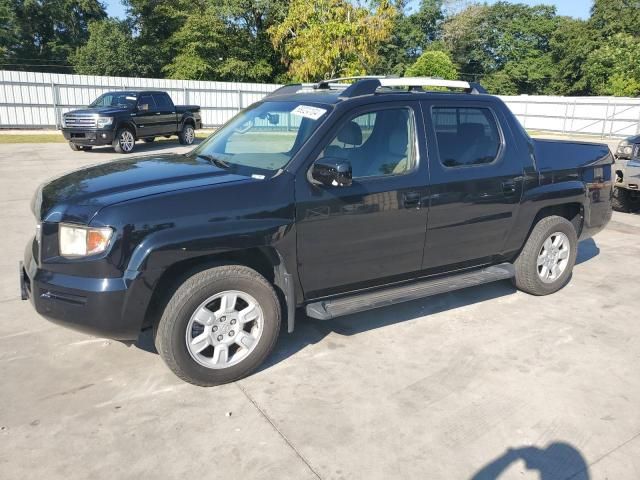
pixel 411 200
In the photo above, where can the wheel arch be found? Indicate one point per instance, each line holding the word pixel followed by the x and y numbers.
pixel 127 124
pixel 265 260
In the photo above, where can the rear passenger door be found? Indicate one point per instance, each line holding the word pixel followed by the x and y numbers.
pixel 476 184
pixel 166 114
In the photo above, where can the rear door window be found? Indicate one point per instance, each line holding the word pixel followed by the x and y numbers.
pixel 467 136
pixel 163 101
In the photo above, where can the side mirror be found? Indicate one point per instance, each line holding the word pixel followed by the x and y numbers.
pixel 332 172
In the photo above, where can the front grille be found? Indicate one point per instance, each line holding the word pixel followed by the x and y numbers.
pixel 80 120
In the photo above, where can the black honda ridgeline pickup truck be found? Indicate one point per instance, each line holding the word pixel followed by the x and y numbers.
pixel 120 118
pixel 332 198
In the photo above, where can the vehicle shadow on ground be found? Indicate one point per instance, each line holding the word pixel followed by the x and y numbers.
pixel 559 461
pixel 309 331
pixel 142 147
pixel 587 249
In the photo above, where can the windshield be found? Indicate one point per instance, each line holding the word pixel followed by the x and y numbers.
pixel 264 137
pixel 115 99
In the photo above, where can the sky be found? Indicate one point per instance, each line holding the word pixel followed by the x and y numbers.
pixel 573 8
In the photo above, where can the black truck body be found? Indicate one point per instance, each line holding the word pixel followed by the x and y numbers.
pixel 119 118
pixel 336 246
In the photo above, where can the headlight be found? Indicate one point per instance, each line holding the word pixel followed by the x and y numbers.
pixel 102 122
pixel 628 150
pixel 78 241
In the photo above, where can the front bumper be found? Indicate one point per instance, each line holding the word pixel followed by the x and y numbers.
pixel 88 137
pixel 97 306
pixel 627 173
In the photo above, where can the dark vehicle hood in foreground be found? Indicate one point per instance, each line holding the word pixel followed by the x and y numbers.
pixel 104 111
pixel 77 196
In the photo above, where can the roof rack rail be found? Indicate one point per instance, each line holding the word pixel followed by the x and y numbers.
pixel 327 83
pixel 369 84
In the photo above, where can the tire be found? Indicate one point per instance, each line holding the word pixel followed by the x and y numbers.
pixel 187 135
pixel 622 201
pixel 538 279
pixel 124 141
pixel 201 364
pixel 74 147
pixel 149 139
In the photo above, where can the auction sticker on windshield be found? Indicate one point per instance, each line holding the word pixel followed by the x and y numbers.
pixel 308 111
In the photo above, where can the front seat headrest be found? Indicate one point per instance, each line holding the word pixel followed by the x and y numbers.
pixel 351 134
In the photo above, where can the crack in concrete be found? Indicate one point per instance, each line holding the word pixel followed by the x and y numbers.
pixel 282 435
pixel 623 444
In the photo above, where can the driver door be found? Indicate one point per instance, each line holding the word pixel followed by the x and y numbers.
pixel 372 231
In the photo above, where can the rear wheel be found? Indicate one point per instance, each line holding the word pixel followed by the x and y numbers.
pixel 187 135
pixel 124 141
pixel 219 325
pixel 545 264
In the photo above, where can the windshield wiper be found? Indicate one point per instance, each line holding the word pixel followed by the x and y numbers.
pixel 217 161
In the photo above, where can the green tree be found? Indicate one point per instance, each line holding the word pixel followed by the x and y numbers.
pixel 226 40
pixel 571 45
pixel 609 17
pixel 37 34
pixel 329 38
pixel 433 64
pixel 110 50
pixel 614 68
pixel 410 36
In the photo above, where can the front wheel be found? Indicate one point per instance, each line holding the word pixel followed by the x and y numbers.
pixel 545 264
pixel 622 201
pixel 74 147
pixel 219 325
pixel 124 141
pixel 187 135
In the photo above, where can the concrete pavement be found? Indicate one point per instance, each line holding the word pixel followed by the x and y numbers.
pixel 483 383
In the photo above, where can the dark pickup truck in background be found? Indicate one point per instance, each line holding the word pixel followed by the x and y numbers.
pixel 120 118
pixel 334 198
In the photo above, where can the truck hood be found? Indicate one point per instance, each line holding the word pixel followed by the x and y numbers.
pixel 77 196
pixel 104 111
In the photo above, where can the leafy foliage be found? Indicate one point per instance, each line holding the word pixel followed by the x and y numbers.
pixel 511 48
pixel 329 38
pixel 45 33
pixel 433 64
pixel 110 50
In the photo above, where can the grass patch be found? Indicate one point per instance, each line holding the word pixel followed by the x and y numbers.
pixel 58 138
pixel 32 138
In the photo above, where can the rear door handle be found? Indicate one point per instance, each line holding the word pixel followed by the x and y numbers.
pixel 411 200
pixel 509 188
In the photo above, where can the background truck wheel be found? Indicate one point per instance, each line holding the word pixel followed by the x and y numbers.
pixel 623 201
pixel 219 325
pixel 149 139
pixel 187 135
pixel 544 266
pixel 124 141
pixel 74 147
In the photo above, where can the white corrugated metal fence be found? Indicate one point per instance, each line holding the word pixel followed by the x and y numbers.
pixel 38 100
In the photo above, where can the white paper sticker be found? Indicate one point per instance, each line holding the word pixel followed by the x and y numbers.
pixel 308 111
